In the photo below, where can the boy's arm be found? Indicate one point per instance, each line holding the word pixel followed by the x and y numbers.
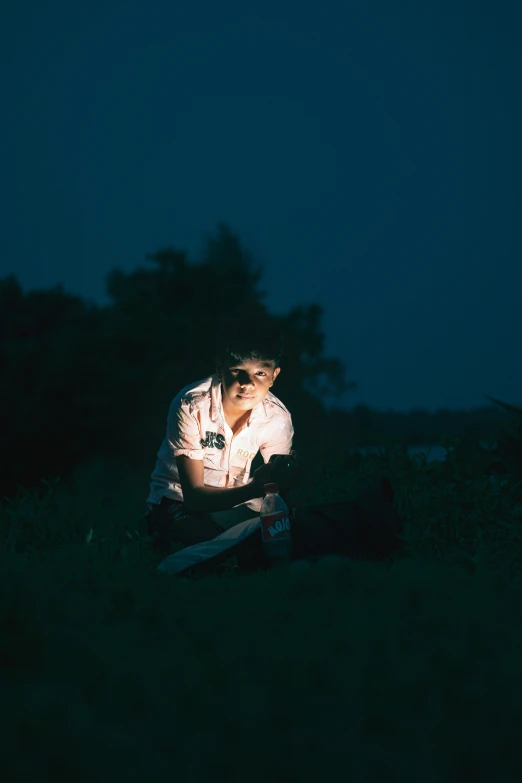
pixel 200 498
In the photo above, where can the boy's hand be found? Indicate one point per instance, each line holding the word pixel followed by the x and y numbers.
pixel 287 471
pixel 283 470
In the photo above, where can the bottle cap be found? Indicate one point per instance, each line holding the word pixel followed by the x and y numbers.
pixel 271 488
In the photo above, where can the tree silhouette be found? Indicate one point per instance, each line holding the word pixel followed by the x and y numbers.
pixel 79 381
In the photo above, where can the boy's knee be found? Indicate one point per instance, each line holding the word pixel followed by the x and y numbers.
pixel 159 530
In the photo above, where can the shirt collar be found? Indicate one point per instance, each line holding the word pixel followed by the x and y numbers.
pixel 260 411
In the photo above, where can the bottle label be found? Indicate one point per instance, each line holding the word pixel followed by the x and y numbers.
pixel 275 526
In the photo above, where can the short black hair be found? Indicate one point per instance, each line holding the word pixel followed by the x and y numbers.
pixel 249 343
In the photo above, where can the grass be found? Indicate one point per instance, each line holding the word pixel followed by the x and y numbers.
pixel 406 670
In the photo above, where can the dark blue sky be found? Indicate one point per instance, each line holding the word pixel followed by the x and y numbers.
pixel 368 154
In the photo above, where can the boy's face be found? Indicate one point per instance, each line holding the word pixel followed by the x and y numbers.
pixel 246 384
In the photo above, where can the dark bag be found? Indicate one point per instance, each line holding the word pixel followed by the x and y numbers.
pixel 364 528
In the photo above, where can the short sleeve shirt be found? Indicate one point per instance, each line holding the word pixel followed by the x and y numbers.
pixel 196 427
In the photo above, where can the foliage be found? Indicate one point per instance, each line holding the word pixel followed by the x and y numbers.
pixel 164 674
pixel 79 381
pixel 508 451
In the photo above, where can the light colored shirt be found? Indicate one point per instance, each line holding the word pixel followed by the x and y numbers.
pixel 196 427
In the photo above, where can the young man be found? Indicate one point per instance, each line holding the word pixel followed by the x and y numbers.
pixel 201 484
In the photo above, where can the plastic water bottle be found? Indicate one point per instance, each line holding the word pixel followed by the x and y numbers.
pixel 275 527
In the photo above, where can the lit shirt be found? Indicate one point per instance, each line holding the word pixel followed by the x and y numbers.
pixel 196 427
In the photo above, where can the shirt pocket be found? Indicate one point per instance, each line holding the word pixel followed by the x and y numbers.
pixel 213 460
pixel 241 459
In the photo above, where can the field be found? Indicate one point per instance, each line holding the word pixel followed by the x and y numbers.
pixel 408 670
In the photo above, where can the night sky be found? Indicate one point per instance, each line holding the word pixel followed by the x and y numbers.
pixel 368 155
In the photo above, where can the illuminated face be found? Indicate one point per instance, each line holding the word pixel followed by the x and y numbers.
pixel 246 384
